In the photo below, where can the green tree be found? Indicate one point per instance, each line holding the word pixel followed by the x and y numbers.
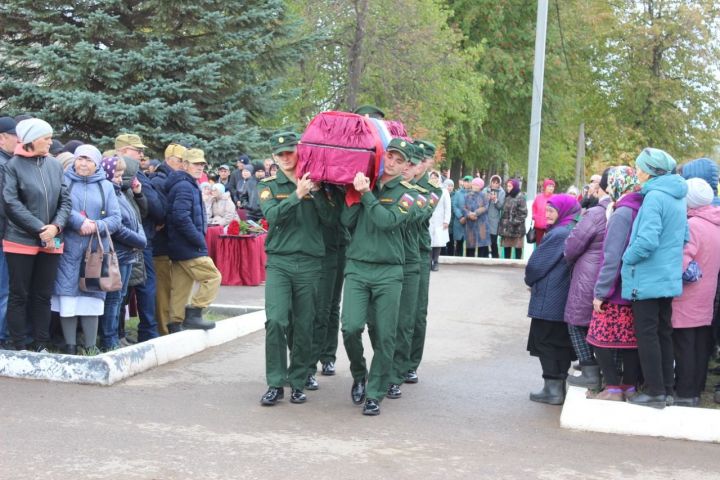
pixel 204 73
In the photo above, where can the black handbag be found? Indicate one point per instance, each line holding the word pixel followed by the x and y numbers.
pixel 530 235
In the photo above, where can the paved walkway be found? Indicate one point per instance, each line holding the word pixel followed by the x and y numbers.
pixel 469 417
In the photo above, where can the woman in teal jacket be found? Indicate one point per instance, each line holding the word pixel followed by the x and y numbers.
pixel 652 270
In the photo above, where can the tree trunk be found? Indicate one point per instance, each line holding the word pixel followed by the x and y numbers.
pixel 456 169
pixel 355 54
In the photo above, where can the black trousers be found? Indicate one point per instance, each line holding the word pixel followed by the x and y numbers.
pixel 449 249
pixel 518 253
pixel 494 249
pixel 692 347
pixel 608 366
pixel 554 369
pixel 458 248
pixel 655 345
pixel 32 278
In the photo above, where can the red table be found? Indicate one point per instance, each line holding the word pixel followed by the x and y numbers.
pixel 212 237
pixel 241 259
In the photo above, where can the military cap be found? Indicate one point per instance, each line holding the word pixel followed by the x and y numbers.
pixel 284 142
pixel 370 111
pixel 194 155
pixel 417 154
pixel 402 146
pixel 128 140
pixel 467 178
pixel 175 150
pixel 428 148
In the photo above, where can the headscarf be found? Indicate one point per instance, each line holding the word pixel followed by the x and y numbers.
pixel 700 193
pixel 448 182
pixel 620 180
pixel 516 187
pixel 655 162
pixel 109 164
pixel 567 207
pixel 478 182
pixel 499 179
pixel 219 187
pixel 546 182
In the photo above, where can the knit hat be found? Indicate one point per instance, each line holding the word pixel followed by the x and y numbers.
pixel 655 162
pixel 219 187
pixel 548 181
pixel 701 168
pixel 66 158
pixel 109 164
pixel 699 194
pixel 205 185
pixel 71 145
pixel 90 152
pixel 620 180
pixel 56 148
pixel 478 182
pixel 31 129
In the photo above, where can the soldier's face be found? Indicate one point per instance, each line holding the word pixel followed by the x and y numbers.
pixel 287 160
pixel 395 163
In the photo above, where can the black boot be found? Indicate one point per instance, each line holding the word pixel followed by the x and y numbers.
pixel 71 350
pixel 589 378
pixel 194 320
pixel 552 393
pixel 175 327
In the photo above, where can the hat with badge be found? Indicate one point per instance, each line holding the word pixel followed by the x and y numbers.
pixel 128 140
pixel 428 148
pixel 7 125
pixel 370 111
pixel 194 155
pixel 284 142
pixel 417 154
pixel 402 146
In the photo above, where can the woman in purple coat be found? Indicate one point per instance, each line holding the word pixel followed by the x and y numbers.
pixel 583 251
pixel 611 327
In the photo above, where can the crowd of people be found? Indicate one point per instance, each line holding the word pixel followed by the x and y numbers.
pixel 624 279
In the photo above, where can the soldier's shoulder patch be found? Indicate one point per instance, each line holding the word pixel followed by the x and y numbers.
pixel 420 189
pixel 265 194
pixel 406 184
pixel 267 179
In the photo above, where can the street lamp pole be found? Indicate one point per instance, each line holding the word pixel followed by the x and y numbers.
pixel 537 96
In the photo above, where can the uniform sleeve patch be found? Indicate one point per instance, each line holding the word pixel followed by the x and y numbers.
pixel 406 201
pixel 421 201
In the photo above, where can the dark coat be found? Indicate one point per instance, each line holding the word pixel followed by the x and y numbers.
pixel 130 236
pixel 185 220
pixel 512 222
pixel 583 250
pixel 548 275
pixel 158 180
pixel 34 195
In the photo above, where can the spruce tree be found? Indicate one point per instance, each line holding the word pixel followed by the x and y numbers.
pixel 202 72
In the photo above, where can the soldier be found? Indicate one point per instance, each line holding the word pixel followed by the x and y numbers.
pixel 411 278
pixel 294 209
pixel 374 274
pixel 370 111
pixel 422 180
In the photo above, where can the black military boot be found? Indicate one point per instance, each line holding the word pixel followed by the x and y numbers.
pixel 194 320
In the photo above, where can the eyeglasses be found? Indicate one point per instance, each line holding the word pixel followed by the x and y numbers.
pixel 139 150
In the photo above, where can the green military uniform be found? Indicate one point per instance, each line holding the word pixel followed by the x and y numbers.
pixel 373 280
pixel 434 193
pixel 295 249
pixel 327 317
pixel 411 285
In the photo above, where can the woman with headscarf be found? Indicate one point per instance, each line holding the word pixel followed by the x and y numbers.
pixel 95 210
pixel 538 208
pixel 512 222
pixel 583 251
pixel 548 276
pixel 477 226
pixel 222 209
pixel 611 331
pixel 692 312
pixel 652 270
pixel 37 206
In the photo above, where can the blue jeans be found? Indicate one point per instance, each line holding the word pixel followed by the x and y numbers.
pixel 111 317
pixel 145 295
pixel 4 292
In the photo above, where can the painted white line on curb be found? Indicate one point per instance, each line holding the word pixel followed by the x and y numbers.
pixel 579 413
pixel 123 363
pixel 493 262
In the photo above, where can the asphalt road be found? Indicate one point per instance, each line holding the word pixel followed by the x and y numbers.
pixel 469 417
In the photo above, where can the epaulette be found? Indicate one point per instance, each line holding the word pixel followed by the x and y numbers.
pixel 267 179
pixel 419 189
pixel 406 184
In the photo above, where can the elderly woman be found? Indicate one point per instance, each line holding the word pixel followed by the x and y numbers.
pixel 95 209
pixel 439 225
pixel 548 276
pixel 475 218
pixel 652 270
pixel 512 222
pixel 37 207
pixel 611 331
pixel 129 239
pixel 222 210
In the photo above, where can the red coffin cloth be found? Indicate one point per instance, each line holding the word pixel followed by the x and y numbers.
pixel 211 238
pixel 337 145
pixel 397 129
pixel 241 260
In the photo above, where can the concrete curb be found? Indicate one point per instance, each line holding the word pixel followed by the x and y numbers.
pixel 579 413
pixel 123 363
pixel 492 262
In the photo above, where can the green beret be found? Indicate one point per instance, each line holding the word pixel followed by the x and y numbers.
pixel 284 142
pixel 402 146
pixel 428 148
pixel 370 111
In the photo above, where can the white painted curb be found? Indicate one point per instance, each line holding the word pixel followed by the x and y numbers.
pixel 120 364
pixel 580 413
pixel 492 262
